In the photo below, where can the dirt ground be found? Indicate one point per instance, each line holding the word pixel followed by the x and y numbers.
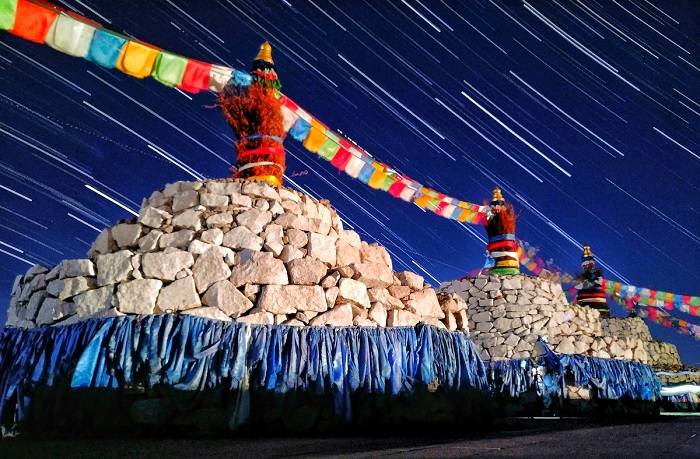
pixel 665 437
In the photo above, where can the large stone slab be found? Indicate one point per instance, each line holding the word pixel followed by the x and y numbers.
pixel 425 304
pixel 178 296
pixel 93 301
pixel 288 299
pixel 254 219
pixel 306 271
pixel 66 288
pixel 209 269
pixel 354 292
pixel 263 269
pixel 165 265
pixel 240 238
pixel 77 268
pixel 375 253
pixel 138 296
pixel 209 312
pixel 373 275
pixel 339 316
pixel 126 235
pixel 114 267
pixel 322 247
pixel 227 298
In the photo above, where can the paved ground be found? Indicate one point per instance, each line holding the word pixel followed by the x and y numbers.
pixel 667 438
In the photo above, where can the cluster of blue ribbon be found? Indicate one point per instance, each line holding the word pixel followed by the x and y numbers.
pixel 192 353
pixel 609 378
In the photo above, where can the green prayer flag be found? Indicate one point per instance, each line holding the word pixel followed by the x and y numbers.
pixel 8 11
pixel 169 68
pixel 328 149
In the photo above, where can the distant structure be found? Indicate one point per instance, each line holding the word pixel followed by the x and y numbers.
pixel 254 113
pixel 590 290
pixel 500 228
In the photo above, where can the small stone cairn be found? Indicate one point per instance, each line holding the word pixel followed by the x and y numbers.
pixel 507 314
pixel 233 250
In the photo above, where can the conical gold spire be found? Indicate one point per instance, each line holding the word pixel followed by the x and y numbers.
pixel 265 53
pixel 587 251
pixel 497 196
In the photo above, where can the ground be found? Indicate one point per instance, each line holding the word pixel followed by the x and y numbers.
pixel 665 437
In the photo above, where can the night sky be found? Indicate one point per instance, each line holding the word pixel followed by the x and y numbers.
pixel 585 113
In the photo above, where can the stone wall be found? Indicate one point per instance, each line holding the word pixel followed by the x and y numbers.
pixel 664 356
pixel 233 250
pixel 507 314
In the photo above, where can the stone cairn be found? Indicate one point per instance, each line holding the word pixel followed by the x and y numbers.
pixel 590 289
pixel 507 315
pixel 233 250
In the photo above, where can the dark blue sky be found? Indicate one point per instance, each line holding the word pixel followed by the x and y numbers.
pixel 586 114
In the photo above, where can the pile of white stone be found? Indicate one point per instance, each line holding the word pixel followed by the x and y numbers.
pixel 507 315
pixel 233 250
pixel 664 356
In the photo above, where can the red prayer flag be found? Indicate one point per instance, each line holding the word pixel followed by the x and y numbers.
pixel 340 160
pixel 396 188
pixel 196 76
pixel 32 20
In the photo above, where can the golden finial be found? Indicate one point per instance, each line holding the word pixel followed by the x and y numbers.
pixel 587 251
pixel 497 196
pixel 265 53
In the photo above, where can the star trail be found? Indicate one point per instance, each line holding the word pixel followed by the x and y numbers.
pixel 585 112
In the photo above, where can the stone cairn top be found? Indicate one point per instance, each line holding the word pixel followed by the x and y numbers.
pixel 233 250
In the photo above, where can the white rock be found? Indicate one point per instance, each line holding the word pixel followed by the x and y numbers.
pixel 53 310
pixel 425 304
pixel 93 301
pixel 401 318
pixel 373 275
pixel 185 200
pixel 77 268
pixel 227 298
pixel 209 269
pixel 254 219
pixel 297 238
pixel 165 266
pixel 375 253
pixel 259 318
pixel 103 244
pixel 189 219
pixel 208 312
pixel 213 200
pixel 114 267
pixel 66 288
pixel 138 296
pixel 179 239
pixel 306 271
pixel 378 314
pixel 354 292
pixel 178 296
pixel 346 254
pixel 149 242
pixel 34 305
pixel 126 235
pixel 287 299
pixel 223 188
pixel 289 253
pixel 213 236
pixel 411 280
pixel 322 247
pixel 241 237
pixel 151 217
pixel 219 220
pixel 263 270
pixel 197 247
pixel 339 316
